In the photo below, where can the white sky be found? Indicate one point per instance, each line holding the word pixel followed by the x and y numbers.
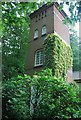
pixel 76 27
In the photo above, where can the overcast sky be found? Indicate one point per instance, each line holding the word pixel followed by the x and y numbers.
pixel 77 24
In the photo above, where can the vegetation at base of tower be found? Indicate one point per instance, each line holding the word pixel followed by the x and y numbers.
pixel 16 97
pixel 58 55
pixel 42 96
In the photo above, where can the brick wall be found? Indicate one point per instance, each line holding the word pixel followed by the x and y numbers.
pixel 59 28
pixel 33 45
pixel 52 18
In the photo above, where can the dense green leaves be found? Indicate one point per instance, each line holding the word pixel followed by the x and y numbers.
pixel 15 19
pixel 75 48
pixel 58 56
pixel 42 96
pixel 80 56
pixel 16 97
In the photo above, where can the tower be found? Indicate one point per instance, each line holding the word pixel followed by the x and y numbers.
pixel 47 19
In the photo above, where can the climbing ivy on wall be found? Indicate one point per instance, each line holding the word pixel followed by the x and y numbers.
pixel 58 55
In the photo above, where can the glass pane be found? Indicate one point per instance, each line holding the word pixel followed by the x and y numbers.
pixel 39 57
pixel 36 34
pixel 44 30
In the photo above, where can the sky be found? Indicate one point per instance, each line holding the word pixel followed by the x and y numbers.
pixel 76 27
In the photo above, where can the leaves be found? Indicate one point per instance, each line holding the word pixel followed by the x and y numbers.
pixel 53 97
pixel 75 50
pixel 60 59
pixel 16 97
pixel 43 95
pixel 15 19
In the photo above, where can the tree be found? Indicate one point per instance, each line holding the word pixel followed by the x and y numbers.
pixel 16 98
pixel 49 97
pixel 15 19
pixel 51 94
pixel 80 56
pixel 75 49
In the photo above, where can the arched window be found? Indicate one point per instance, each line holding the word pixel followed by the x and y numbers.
pixel 44 30
pixel 39 57
pixel 36 34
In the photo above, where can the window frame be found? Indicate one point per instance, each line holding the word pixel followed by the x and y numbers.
pixel 40 57
pixel 36 34
pixel 44 30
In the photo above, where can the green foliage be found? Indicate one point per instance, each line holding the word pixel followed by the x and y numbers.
pixel 54 98
pixel 58 56
pixel 16 97
pixel 14 31
pixel 73 7
pixel 80 56
pixel 15 20
pixel 75 49
pixel 50 95
pixel 42 96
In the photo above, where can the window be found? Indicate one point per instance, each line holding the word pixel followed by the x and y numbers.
pixel 44 30
pixel 39 57
pixel 36 34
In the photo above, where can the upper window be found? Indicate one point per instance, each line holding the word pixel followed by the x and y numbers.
pixel 36 34
pixel 39 57
pixel 44 30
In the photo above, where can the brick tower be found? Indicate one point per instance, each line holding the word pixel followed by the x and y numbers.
pixel 47 19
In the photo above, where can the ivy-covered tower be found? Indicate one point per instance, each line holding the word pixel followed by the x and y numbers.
pixel 46 20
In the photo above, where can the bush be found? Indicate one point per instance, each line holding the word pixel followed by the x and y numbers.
pixel 53 98
pixel 42 96
pixel 16 98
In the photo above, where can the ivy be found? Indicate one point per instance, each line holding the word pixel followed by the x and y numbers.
pixel 58 55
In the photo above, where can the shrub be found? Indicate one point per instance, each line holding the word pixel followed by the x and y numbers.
pixel 16 98
pixel 53 97
pixel 42 96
